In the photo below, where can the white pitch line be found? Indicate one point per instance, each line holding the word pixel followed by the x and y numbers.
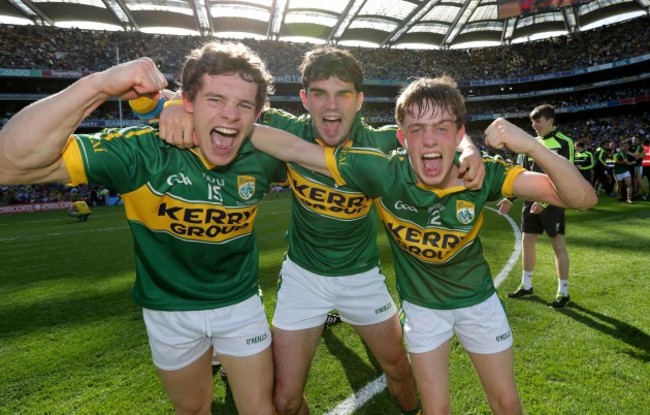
pixel 516 252
pixel 360 398
pixel 51 235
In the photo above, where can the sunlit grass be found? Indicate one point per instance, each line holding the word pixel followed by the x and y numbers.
pixel 73 341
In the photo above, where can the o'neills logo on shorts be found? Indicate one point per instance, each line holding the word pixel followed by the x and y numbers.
pixel 326 201
pixel 429 244
pixel 256 339
pixel 202 222
pixel 384 308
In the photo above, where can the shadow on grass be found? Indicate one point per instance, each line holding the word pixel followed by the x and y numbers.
pixel 228 405
pixel 613 327
pixel 605 324
pixel 531 298
pixel 624 241
pixel 33 317
pixel 358 372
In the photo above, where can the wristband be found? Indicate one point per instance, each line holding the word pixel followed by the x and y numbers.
pixel 146 108
pixel 173 102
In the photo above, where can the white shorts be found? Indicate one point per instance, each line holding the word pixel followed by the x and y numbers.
pixel 638 170
pixel 305 298
pixel 178 338
pixel 622 176
pixel 482 328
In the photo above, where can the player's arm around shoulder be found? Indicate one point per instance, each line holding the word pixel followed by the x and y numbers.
pixel 384 138
pixel 561 186
pixel 289 148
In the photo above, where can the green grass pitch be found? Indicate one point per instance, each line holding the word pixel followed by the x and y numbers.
pixel 73 342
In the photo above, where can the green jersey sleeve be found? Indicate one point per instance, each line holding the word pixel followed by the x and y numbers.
pixel 363 168
pixel 122 159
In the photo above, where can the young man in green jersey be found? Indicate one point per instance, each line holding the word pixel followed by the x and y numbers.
pixel 538 217
pixel 332 259
pixel 191 212
pixel 636 153
pixel 622 164
pixel 432 221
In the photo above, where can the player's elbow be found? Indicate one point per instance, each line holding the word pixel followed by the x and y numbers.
pixel 591 199
pixel 587 200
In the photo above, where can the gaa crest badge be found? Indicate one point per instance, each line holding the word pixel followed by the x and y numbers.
pixel 465 212
pixel 246 186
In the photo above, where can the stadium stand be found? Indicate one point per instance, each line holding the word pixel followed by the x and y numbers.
pixel 598 80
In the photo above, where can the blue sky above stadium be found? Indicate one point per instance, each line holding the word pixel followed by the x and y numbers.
pixel 373 23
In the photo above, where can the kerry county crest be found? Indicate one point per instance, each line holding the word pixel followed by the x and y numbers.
pixel 246 186
pixel 465 212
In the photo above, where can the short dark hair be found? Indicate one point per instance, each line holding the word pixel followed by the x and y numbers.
pixel 325 62
pixel 546 110
pixel 226 58
pixel 439 92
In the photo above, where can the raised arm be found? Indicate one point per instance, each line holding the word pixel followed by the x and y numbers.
pixel 289 148
pixel 32 141
pixel 561 186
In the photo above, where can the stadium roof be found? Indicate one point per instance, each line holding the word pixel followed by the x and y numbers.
pixel 394 23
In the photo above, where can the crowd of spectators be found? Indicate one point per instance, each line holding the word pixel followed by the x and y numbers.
pixel 616 128
pixel 603 45
pixel 382 113
pixel 44 47
pixel 520 107
pixel 558 100
pixel 32 194
pixel 53 192
pixel 591 131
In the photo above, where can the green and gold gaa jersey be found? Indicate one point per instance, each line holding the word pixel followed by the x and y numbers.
pixel 433 233
pixel 333 229
pixel 620 162
pixel 192 222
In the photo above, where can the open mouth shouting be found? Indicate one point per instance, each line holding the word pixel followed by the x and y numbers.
pixel 331 125
pixel 431 163
pixel 223 139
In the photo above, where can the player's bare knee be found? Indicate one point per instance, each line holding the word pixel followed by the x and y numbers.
pixel 396 364
pixel 196 407
pixel 290 405
pixel 509 404
pixel 255 405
